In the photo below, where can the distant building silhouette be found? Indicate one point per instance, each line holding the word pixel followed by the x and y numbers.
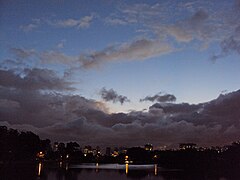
pixel 108 151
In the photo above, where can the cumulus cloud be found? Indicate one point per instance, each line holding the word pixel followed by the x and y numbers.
pixel 67 117
pixel 111 95
pixel 140 49
pixel 160 97
pixel 28 101
pixel 44 109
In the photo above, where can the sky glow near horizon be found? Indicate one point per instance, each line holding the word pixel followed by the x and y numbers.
pixel 121 56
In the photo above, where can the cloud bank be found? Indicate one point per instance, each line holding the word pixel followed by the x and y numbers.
pixel 45 110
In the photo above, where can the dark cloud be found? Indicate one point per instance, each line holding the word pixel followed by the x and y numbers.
pixel 43 109
pixel 111 95
pixel 198 17
pixel 34 79
pixel 160 98
pixel 229 45
pixel 177 108
pixel 67 117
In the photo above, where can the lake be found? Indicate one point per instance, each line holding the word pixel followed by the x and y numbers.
pixel 101 172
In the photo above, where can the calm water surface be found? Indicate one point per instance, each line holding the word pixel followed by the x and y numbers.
pixel 65 172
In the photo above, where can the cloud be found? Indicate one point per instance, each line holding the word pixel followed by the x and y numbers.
pixel 61 44
pixel 34 79
pixel 84 22
pixel 200 22
pixel 35 23
pixel 71 117
pixel 22 53
pixel 228 46
pixel 140 49
pixel 43 109
pixel 196 27
pixel 231 44
pixel 160 98
pixel 31 57
pixel 156 18
pixel 115 21
pixel 39 99
pixel 28 27
pixel 111 95
pixel 5 103
pixel 28 101
pixel 141 12
pixel 56 57
pixel 177 108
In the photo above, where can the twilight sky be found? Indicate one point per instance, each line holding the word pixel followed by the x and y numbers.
pixel 106 72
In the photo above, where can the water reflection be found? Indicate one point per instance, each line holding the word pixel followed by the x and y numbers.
pixel 126 168
pixel 155 170
pixel 52 171
pixel 97 165
pixel 67 166
pixel 39 168
pixel 60 164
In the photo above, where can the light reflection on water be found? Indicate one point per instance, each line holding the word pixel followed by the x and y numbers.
pixel 97 171
pixel 155 169
pixel 39 168
pixel 126 168
pixel 45 171
pixel 97 167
